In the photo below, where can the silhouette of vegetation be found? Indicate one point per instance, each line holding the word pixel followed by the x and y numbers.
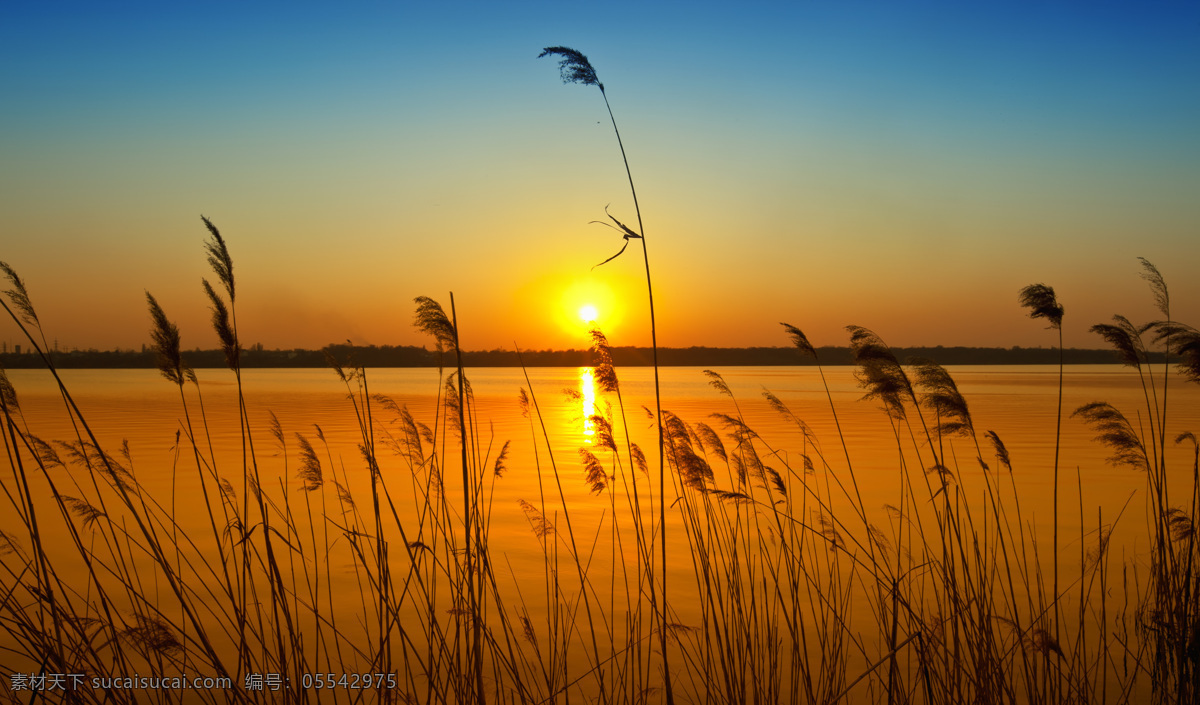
pixel 352 553
pixel 1042 303
pixel 574 67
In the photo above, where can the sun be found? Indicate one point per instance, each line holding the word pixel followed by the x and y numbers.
pixel 584 303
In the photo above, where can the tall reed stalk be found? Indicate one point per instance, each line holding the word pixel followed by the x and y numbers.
pixel 1042 303
pixel 575 68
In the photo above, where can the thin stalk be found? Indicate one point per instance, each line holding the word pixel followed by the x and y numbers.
pixel 662 468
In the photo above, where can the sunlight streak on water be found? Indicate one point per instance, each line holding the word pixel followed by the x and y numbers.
pixel 587 392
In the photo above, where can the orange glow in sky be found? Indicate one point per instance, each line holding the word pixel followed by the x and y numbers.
pixel 586 302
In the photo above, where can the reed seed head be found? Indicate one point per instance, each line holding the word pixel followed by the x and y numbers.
pixel 1042 303
pixel 1180 524
pixel 1125 338
pixel 1182 340
pixel 223 326
pixel 277 430
pixel 603 371
pixel 166 343
pixel 8 394
pixel 527 630
pixel 500 468
pixel 942 397
pixel 639 458
pixel 1001 450
pixel 8 544
pixel 310 466
pixel 89 514
pixel 1115 431
pixel 1041 641
pixel 431 319
pixel 537 521
pixel 593 471
pixel 718 383
pixel 154 635
pixel 1158 286
pixel 711 441
pixel 219 258
pixel 879 372
pixel 800 340
pixel 573 66
pixel 19 296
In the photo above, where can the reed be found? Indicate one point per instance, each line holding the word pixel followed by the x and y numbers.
pixel 1042 303
pixel 574 67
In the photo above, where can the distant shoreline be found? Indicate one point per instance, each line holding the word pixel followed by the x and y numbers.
pixel 412 356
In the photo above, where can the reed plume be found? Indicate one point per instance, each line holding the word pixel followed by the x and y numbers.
pixel 943 398
pixel 431 319
pixel 310 466
pixel 499 467
pixel 711 441
pixel 1158 286
pixel 800 340
pixel 717 382
pixel 1001 450
pixel 8 393
pixel 537 521
pixel 223 326
pixel 573 66
pixel 219 258
pixel 1115 431
pixel 8 544
pixel 88 513
pixel 1182 340
pixel 1042 303
pixel 593 471
pixel 879 372
pixel 692 469
pixel 19 296
pixel 166 343
pixel 152 634
pixel 1125 338
pixel 603 373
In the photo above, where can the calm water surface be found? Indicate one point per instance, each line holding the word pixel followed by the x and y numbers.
pixel 1018 402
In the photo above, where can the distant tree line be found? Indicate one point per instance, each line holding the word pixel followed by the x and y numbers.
pixel 412 356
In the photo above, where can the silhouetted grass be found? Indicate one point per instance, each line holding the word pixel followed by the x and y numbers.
pixel 800 592
pixel 797 592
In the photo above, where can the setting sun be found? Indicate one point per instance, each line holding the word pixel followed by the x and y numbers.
pixel 586 302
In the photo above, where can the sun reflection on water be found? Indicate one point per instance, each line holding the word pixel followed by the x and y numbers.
pixel 587 395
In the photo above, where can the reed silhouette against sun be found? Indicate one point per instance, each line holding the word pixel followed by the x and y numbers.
pixel 574 67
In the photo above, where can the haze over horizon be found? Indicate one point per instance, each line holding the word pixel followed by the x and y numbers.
pixel 905 168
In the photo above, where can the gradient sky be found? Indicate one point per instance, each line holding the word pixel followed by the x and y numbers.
pixel 906 167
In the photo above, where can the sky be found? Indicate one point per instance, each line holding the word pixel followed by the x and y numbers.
pixel 907 167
